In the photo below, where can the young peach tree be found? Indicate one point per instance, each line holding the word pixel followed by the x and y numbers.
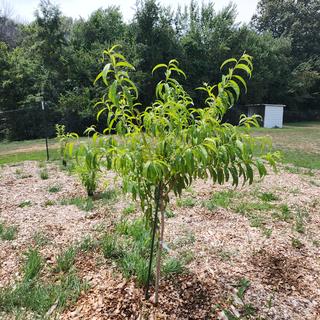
pixel 162 150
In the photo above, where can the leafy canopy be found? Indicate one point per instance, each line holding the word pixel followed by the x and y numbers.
pixel 172 142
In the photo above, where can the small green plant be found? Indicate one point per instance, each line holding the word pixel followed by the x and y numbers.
pixel 225 255
pixel 65 260
pixel 8 232
pixel 38 297
pixel 246 208
pixel 134 264
pixel 25 203
pixel 32 265
pixel 285 213
pixel 256 221
pixel 87 244
pixel 296 243
pixel 268 196
pixel 244 310
pixel 131 208
pixel 186 239
pixel 18 171
pixel 109 195
pixel 173 265
pixel 300 222
pixel 316 243
pixel 44 174
pixel 64 138
pixel 186 256
pixel 85 204
pixel 49 203
pixel 110 247
pixel 170 213
pixel 219 199
pixel 88 158
pixel 54 189
pixel 40 239
pixel 267 232
pixel 41 164
pixel 186 202
pixel 129 246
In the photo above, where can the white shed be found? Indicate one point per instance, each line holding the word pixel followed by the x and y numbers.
pixel 272 114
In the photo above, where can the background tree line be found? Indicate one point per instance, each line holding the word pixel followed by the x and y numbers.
pixel 58 58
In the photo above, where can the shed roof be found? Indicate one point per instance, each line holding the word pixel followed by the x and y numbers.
pixel 265 104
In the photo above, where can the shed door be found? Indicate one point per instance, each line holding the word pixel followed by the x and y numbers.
pixel 273 117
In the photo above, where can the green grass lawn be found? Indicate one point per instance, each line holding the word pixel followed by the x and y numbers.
pixel 39 155
pixel 16 146
pixel 299 144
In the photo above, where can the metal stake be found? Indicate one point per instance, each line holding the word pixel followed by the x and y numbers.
pixel 157 200
pixel 46 129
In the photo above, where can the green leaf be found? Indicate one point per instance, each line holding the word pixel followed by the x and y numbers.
pixel 242 81
pixel 244 67
pixel 228 61
pixel 160 65
pixel 125 64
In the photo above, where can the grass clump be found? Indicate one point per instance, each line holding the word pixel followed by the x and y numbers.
pixel 134 263
pixel 188 238
pixel 49 203
pixel 44 175
pixel 109 195
pixel 65 260
pixel 87 244
pixel 40 239
pixel 267 232
pixel 268 196
pixel 109 245
pixel 54 189
pixel 283 214
pixel 300 218
pixel 169 213
pixel 248 207
pixel 129 246
pixel 83 203
pixel 219 199
pixel 131 208
pixel 37 296
pixel 33 264
pixel 296 243
pixel 186 202
pixel 173 265
pixel 25 203
pixel 256 221
pixel 8 232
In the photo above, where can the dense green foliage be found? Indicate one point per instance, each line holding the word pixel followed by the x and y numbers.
pixel 56 58
pixel 299 22
pixel 164 148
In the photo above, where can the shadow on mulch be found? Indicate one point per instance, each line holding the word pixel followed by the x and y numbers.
pixel 283 273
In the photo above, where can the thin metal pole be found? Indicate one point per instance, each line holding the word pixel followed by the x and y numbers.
pixel 157 201
pixel 45 125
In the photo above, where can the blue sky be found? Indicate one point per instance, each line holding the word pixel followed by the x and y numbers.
pixel 24 9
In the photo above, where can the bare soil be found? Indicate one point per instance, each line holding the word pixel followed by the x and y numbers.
pixel 225 247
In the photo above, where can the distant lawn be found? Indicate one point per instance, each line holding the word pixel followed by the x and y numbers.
pixel 25 145
pixel 31 155
pixel 299 143
pixel 301 159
